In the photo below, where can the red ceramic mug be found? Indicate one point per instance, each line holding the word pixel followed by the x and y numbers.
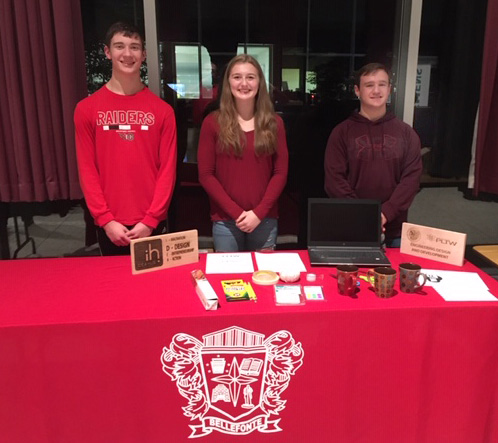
pixel 347 277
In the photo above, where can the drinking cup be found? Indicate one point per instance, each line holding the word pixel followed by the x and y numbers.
pixel 382 280
pixel 347 278
pixel 409 277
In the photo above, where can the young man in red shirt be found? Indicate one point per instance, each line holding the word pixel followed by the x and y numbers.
pixel 126 148
pixel 374 155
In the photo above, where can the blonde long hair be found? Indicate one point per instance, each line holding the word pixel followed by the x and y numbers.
pixel 231 135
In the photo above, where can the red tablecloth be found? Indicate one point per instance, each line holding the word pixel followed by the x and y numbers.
pixel 81 342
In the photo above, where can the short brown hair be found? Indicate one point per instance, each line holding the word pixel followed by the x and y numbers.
pixel 370 69
pixel 123 28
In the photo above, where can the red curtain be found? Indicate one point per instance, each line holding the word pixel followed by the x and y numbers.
pixel 42 77
pixel 486 172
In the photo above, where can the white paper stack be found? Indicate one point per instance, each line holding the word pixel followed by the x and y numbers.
pixel 229 263
pixel 279 261
pixel 458 286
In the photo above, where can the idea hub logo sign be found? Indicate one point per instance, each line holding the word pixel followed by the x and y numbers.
pixel 148 254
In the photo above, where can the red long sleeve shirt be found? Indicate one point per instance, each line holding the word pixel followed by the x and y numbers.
pixel 236 184
pixel 126 149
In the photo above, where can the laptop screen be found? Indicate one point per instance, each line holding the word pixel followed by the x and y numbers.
pixel 343 222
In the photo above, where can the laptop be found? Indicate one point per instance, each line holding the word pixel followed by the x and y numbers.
pixel 345 232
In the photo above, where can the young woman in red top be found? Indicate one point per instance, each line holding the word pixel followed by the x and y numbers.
pixel 243 160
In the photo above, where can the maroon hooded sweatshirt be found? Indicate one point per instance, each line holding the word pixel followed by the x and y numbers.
pixel 378 160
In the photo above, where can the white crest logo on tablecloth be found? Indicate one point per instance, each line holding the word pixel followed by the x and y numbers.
pixel 233 380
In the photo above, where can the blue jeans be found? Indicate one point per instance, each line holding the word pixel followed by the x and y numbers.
pixel 228 238
pixel 394 242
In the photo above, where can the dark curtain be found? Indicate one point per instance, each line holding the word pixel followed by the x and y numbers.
pixel 42 77
pixel 460 49
pixel 486 172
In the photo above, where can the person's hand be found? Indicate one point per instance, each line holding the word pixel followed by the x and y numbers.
pixel 248 221
pixel 117 233
pixel 139 231
pixel 384 221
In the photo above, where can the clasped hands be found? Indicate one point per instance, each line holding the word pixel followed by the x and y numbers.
pixel 247 222
pixel 120 235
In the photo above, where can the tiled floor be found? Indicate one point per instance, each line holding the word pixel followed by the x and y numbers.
pixel 54 236
pixel 441 207
pixel 446 208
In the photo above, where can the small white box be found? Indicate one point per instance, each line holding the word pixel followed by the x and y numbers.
pixel 205 291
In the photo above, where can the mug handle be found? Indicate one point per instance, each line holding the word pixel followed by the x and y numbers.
pixel 371 277
pixel 420 274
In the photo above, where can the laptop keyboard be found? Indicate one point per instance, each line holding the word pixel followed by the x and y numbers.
pixel 349 255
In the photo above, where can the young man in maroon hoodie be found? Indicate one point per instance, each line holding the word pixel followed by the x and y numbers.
pixel 126 148
pixel 374 155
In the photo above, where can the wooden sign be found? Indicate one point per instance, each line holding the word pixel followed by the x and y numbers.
pixel 435 244
pixel 164 251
